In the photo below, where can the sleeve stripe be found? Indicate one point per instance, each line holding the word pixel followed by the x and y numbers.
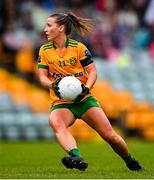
pixel 86 61
pixel 41 66
pixel 73 43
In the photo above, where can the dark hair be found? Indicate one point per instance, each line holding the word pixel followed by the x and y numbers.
pixel 81 25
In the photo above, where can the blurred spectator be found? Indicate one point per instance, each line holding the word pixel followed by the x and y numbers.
pixel 149 15
pixel 128 17
pixel 142 38
pixel 25 61
pixel 14 39
pixel 152 51
pixel 140 7
pixel 149 20
pixel 101 5
pixel 3 16
pixel 7 13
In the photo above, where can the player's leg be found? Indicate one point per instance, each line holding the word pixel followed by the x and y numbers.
pixel 97 119
pixel 60 120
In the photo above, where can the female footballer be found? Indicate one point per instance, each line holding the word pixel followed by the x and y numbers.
pixel 63 56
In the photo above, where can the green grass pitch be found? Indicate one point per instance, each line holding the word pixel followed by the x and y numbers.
pixel 42 160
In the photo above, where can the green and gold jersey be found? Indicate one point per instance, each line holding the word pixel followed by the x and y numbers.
pixel 68 62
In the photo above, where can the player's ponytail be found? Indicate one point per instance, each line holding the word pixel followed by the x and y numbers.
pixel 81 25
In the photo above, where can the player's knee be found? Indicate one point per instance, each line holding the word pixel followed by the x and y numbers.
pixel 55 124
pixel 111 138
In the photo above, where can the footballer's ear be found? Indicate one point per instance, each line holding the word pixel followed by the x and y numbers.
pixel 61 28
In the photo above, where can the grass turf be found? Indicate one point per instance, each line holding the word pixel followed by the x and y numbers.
pixel 42 160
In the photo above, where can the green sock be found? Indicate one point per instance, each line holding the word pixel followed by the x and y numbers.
pixel 74 152
pixel 128 159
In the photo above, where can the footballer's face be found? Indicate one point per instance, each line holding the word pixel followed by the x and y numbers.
pixel 52 29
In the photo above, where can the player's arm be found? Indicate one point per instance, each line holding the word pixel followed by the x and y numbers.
pixel 89 67
pixel 92 75
pixel 45 81
pixel 43 73
pixel 43 69
pixel 43 77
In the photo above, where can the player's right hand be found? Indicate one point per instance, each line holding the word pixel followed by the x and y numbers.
pixel 55 87
pixel 85 91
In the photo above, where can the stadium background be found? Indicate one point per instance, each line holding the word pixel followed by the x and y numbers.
pixel 123 51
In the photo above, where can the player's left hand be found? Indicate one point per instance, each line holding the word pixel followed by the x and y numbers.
pixel 85 91
pixel 55 87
